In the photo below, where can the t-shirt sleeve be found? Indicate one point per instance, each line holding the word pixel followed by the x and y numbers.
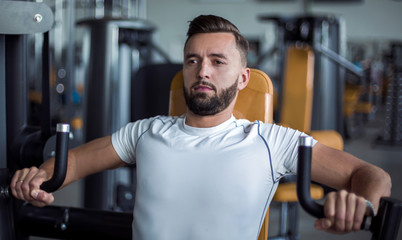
pixel 283 143
pixel 123 143
pixel 125 140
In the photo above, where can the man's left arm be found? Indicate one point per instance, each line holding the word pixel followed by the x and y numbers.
pixel 356 182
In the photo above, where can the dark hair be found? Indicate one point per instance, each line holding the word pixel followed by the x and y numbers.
pixel 215 24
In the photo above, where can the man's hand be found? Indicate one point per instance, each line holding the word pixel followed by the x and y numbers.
pixel 25 186
pixel 344 212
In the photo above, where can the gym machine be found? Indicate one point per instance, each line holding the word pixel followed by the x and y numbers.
pixel 60 222
pixel 118 48
pixel 392 135
pixel 325 35
pixel 22 145
pixel 383 226
pixel 18 140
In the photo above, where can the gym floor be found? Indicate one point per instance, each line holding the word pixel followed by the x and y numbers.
pixel 362 145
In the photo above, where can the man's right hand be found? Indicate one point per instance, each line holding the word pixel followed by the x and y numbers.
pixel 25 185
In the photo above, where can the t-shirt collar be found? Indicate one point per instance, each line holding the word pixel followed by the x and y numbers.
pixel 206 131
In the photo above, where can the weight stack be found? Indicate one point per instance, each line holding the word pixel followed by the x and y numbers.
pixel 393 115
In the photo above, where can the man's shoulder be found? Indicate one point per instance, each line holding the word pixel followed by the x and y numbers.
pixel 160 118
pixel 256 123
pixel 263 129
pixel 158 121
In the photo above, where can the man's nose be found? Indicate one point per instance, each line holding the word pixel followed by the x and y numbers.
pixel 204 70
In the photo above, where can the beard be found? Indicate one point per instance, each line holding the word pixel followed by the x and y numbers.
pixel 204 105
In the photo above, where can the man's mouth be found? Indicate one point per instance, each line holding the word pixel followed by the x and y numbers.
pixel 202 88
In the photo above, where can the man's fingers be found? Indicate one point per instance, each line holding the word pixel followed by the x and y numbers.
pixel 340 210
pixel 42 196
pixel 350 211
pixel 326 223
pixel 323 224
pixel 344 212
pixel 359 213
pixel 13 183
pixel 329 206
pixel 17 182
pixel 25 185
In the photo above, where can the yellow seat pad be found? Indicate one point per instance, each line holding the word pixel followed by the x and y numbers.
pixel 286 192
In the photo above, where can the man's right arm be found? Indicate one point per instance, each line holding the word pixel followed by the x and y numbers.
pixel 90 158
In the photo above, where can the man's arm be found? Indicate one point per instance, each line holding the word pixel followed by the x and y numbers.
pixel 357 180
pixel 93 157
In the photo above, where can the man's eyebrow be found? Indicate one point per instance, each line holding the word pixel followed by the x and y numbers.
pixel 191 55
pixel 195 55
pixel 219 55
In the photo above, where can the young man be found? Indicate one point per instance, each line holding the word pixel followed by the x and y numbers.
pixel 207 175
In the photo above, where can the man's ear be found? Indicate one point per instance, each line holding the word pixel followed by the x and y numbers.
pixel 245 77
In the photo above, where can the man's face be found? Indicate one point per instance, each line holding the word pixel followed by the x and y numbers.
pixel 212 71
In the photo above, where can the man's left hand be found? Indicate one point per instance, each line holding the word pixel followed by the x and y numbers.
pixel 344 212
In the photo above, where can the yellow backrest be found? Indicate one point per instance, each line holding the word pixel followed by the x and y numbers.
pixel 297 96
pixel 255 102
pixel 297 93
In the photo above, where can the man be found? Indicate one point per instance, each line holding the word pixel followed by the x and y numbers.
pixel 207 175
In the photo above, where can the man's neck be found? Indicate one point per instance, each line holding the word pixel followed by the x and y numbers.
pixel 195 120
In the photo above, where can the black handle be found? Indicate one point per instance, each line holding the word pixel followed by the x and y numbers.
pixel 304 179
pixel 60 163
pixel 385 224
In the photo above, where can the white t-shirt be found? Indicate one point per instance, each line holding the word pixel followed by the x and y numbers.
pixel 204 183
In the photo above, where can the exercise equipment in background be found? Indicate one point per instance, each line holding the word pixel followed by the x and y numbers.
pixel 118 47
pixel 325 35
pixel 392 133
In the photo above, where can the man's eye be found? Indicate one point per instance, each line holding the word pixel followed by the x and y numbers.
pixel 191 61
pixel 219 62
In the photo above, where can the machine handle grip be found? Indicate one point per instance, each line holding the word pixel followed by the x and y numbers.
pixel 304 179
pixel 60 163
